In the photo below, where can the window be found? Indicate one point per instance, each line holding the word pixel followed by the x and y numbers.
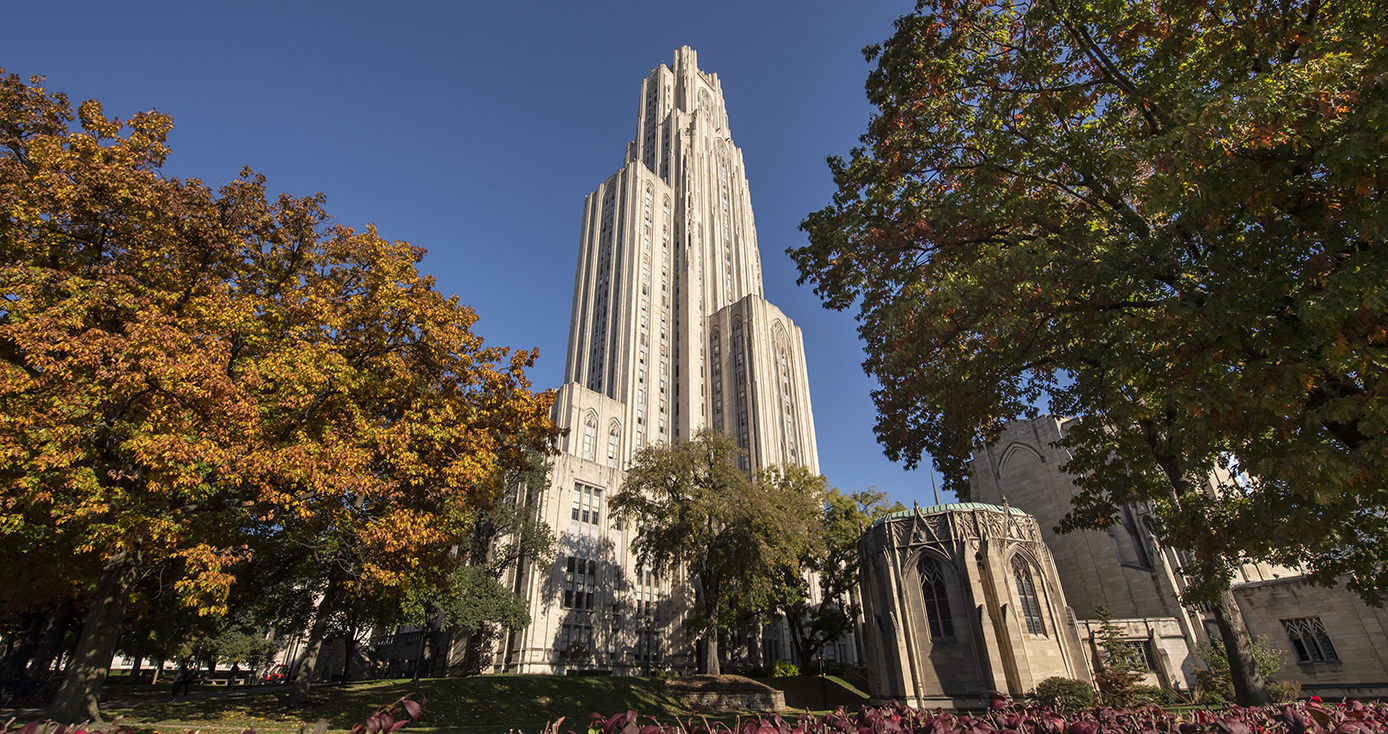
pixel 1308 638
pixel 587 503
pixel 612 448
pixel 575 640
pixel 1026 593
pixel 1141 652
pixel 580 580
pixel 936 599
pixel 590 435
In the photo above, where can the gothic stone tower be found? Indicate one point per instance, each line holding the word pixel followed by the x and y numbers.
pixel 669 334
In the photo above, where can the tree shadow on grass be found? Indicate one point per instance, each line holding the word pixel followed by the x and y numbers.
pixel 523 701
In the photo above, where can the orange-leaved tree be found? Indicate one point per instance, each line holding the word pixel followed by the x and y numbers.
pixel 190 372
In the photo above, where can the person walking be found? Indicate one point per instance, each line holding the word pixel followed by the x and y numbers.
pixel 182 679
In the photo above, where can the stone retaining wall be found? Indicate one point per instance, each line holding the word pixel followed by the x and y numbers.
pixel 720 702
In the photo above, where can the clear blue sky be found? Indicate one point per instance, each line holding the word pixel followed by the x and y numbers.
pixel 475 129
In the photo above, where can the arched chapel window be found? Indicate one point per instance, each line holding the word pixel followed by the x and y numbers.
pixel 936 599
pixel 1026 592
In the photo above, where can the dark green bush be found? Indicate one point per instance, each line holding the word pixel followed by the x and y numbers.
pixel 1064 694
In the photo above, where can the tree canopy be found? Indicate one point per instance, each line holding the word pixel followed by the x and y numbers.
pixel 1165 217
pixel 189 370
pixel 736 537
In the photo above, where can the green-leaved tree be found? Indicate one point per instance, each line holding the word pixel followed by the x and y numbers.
pixel 734 537
pixel 1165 217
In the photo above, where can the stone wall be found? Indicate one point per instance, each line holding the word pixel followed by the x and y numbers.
pixel 1349 656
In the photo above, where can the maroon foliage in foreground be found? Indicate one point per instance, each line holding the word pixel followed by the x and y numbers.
pixel 1351 717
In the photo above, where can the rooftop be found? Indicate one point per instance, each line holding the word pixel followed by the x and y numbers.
pixel 951 507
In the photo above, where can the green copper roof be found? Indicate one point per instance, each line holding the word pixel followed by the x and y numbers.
pixel 951 507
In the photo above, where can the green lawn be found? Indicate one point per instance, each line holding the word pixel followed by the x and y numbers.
pixel 493 703
pixel 810 692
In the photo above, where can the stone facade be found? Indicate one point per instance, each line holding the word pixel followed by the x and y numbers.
pixel 1161 640
pixel 1334 644
pixel 959 600
pixel 1139 581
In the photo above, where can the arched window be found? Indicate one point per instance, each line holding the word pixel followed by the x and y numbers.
pixel 936 599
pixel 1026 592
pixel 590 436
pixel 612 447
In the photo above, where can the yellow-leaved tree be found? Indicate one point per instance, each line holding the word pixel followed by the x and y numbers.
pixel 186 370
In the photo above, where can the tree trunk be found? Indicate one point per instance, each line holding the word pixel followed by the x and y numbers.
pixel 22 650
pixel 158 668
pixel 349 649
pixel 804 643
pixel 54 634
pixel 86 673
pixel 139 655
pixel 303 675
pixel 1249 687
pixel 711 665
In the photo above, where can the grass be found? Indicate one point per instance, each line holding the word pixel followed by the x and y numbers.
pixel 492 704
pixel 482 705
pixel 812 693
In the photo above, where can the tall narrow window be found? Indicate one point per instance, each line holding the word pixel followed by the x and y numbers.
pixel 612 447
pixel 936 599
pixel 1308 638
pixel 1026 593
pixel 590 435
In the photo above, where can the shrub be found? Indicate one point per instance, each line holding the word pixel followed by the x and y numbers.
pixel 1064 694
pixel 1153 694
pixel 1215 681
pixel 1213 686
pixel 1284 691
pixel 783 669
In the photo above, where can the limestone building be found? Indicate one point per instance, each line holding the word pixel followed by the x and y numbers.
pixel 959 600
pixel 669 334
pixel 1334 644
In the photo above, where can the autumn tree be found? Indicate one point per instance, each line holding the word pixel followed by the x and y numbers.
pixel 735 537
pixel 187 371
pixel 1167 218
